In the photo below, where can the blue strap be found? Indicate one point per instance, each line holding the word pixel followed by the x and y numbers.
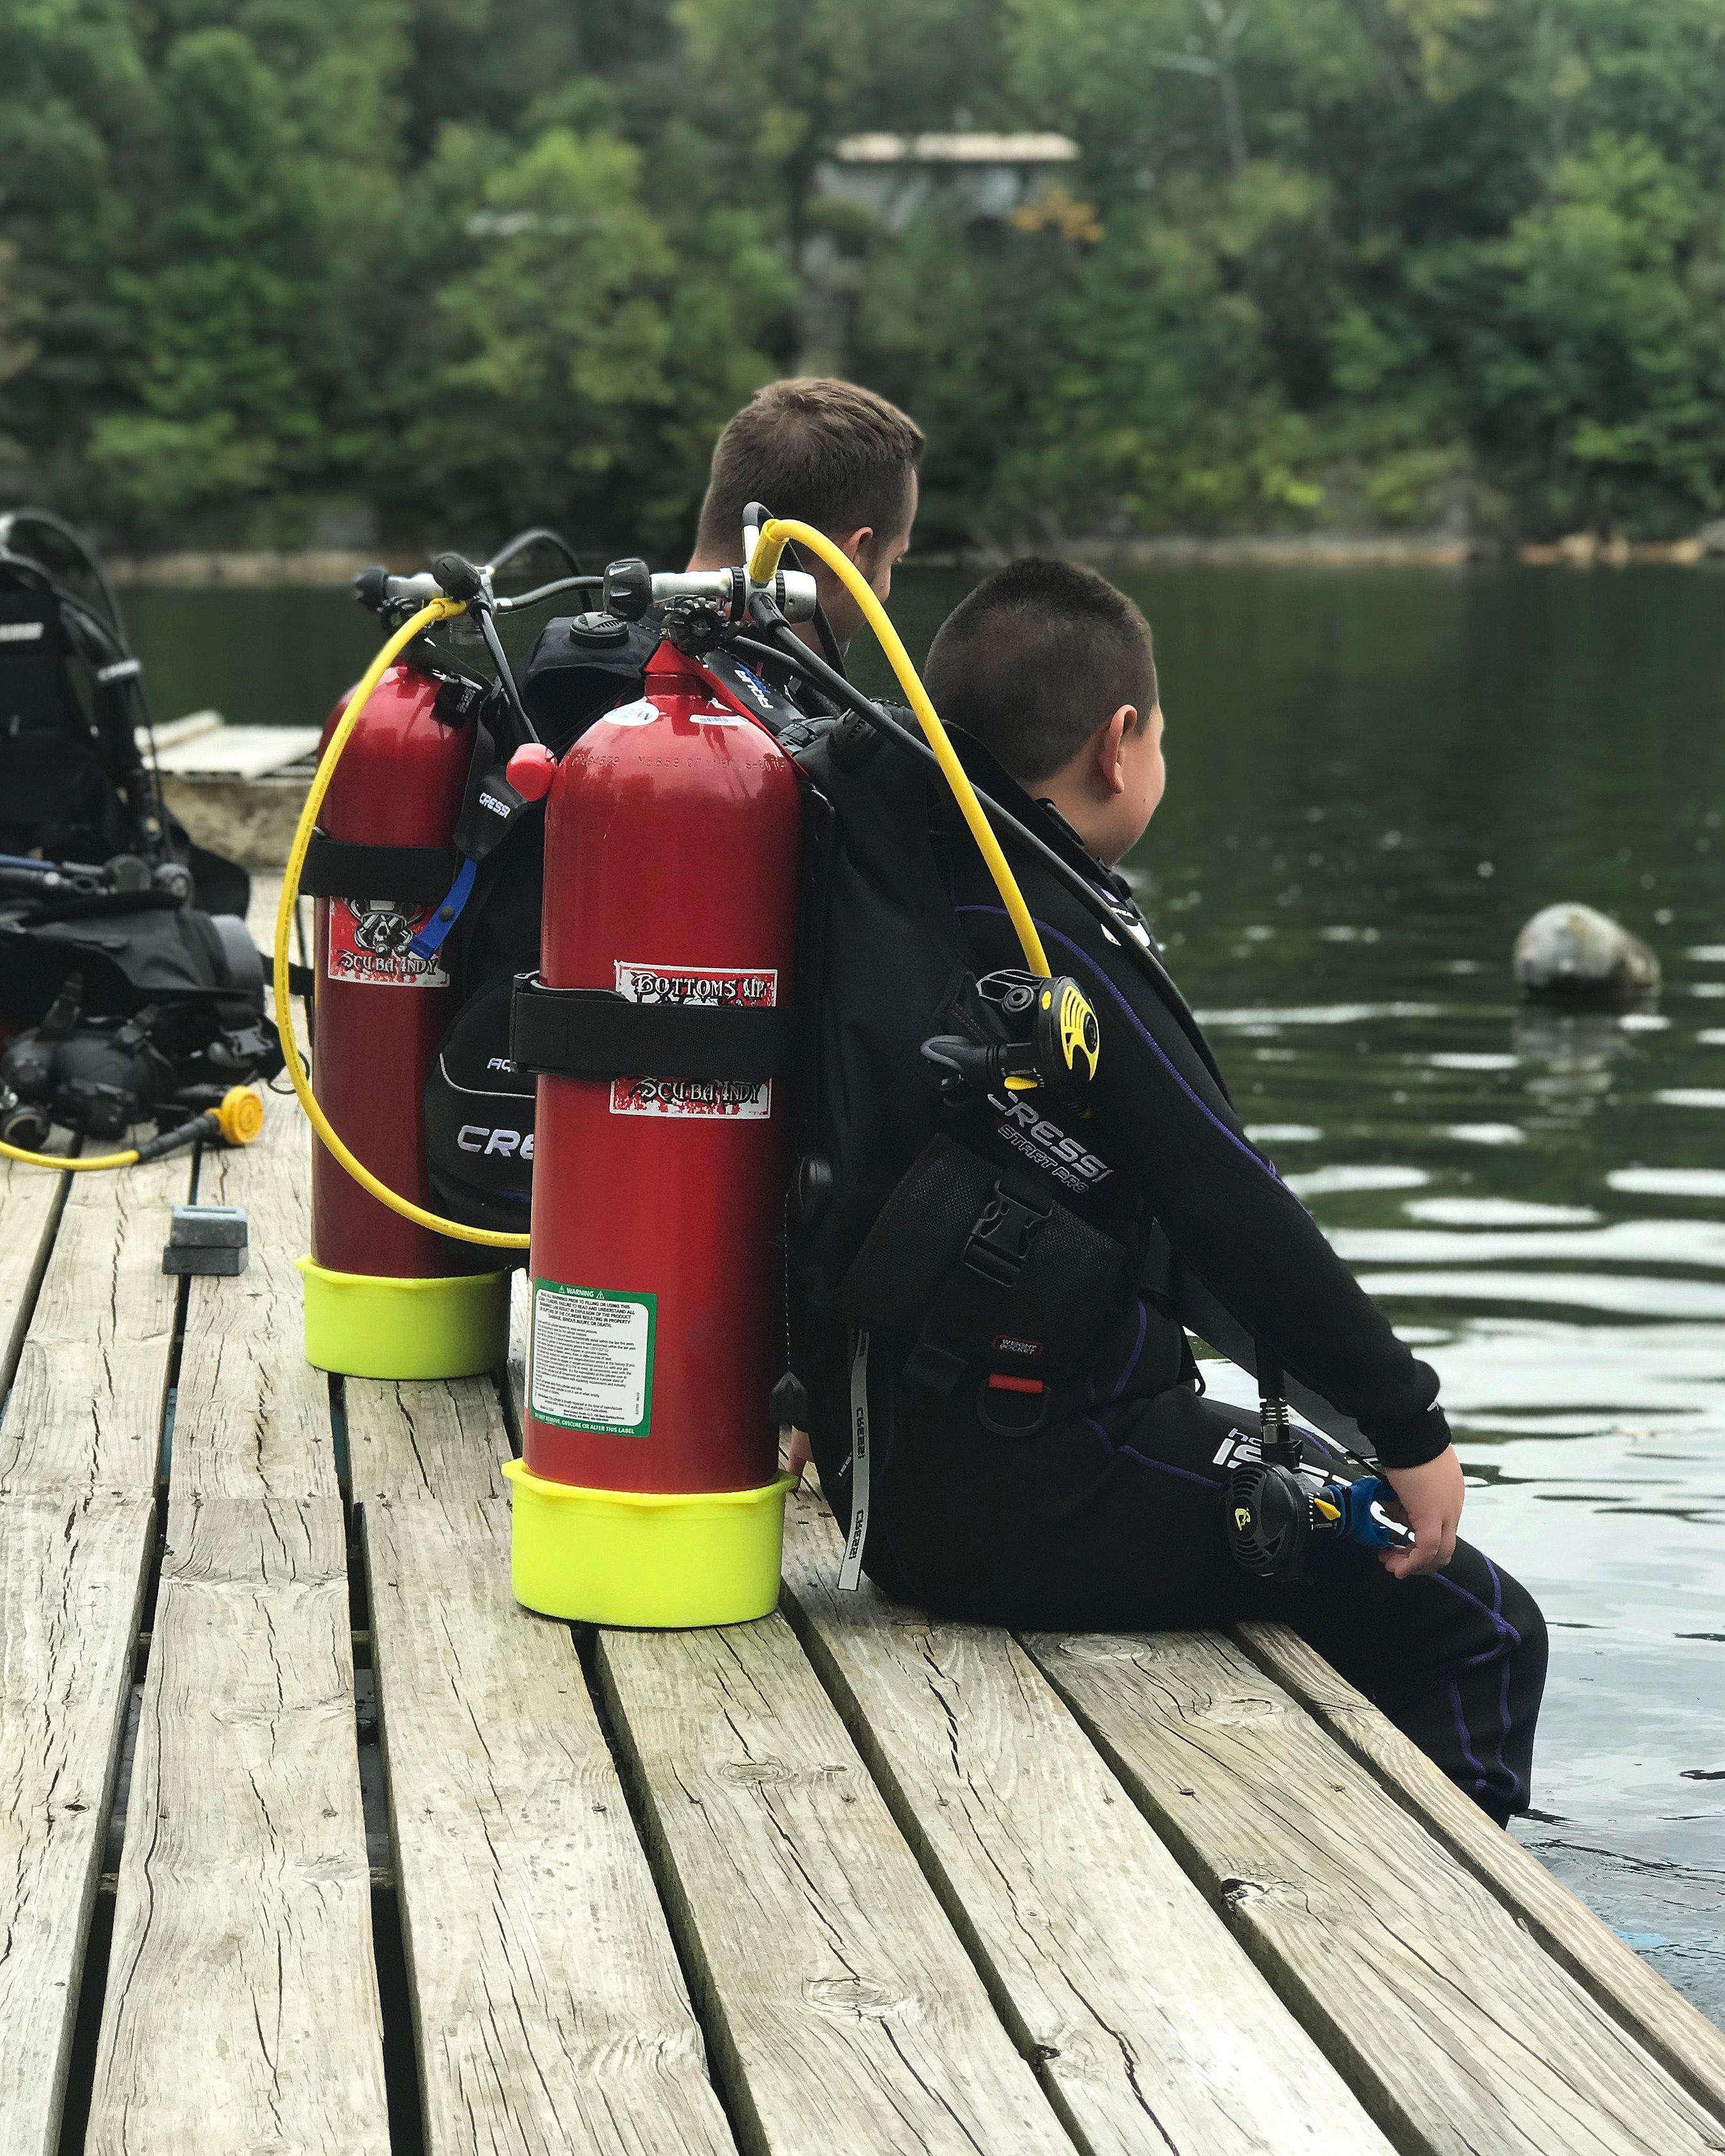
pixel 430 940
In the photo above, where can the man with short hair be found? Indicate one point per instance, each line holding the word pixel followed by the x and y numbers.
pixel 831 453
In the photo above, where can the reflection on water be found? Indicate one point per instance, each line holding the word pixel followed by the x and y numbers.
pixel 1374 779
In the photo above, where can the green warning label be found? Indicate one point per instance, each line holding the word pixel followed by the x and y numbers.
pixel 590 1358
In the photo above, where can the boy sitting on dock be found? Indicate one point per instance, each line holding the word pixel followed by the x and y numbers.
pixel 1094 1500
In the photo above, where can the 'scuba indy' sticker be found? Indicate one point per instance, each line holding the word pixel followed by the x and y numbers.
pixel 590 1358
pixel 369 944
pixel 741 1099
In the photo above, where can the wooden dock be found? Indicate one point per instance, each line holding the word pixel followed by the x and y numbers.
pixel 844 1883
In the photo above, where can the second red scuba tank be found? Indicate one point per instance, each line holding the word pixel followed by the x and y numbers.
pixel 382 1297
pixel 659 1025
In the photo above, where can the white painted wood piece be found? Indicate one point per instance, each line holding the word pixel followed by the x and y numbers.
pixel 224 751
pixel 172 732
pixel 1150 2026
pixel 1457 2029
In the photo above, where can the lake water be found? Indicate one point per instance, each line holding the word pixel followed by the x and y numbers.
pixel 1374 778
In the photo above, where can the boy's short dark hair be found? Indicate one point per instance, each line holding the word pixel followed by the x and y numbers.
pixel 829 452
pixel 1034 659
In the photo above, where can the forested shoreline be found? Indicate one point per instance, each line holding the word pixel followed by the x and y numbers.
pixel 280 273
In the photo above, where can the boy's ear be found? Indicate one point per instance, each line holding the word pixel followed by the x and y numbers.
pixel 1109 742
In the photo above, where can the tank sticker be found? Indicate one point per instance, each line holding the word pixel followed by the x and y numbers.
pixel 740 1100
pixel 590 1358
pixel 369 944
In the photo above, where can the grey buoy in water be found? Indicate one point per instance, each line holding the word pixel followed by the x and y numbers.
pixel 1576 955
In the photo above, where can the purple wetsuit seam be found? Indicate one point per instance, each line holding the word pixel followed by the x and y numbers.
pixel 1143 1459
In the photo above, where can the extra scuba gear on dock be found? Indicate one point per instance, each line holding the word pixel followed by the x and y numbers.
pixel 120 1002
pixel 74 783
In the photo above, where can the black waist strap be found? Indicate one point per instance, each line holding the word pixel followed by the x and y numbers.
pixel 412 875
pixel 595 1033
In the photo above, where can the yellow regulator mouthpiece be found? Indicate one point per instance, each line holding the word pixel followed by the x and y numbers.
pixel 239 1118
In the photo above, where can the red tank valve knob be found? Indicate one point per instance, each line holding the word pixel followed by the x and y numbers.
pixel 530 771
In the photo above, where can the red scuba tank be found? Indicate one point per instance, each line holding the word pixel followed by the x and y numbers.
pixel 672 844
pixel 382 1298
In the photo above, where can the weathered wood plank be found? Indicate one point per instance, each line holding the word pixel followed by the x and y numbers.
pixel 444 1441
pixel 1683 2039
pixel 844 2012
pixel 78 1452
pixel 1152 2027
pixel 242 2007
pixel 72 1571
pixel 1459 2031
pixel 551 2012
pixel 88 1394
pixel 253 1418
pixel 30 1201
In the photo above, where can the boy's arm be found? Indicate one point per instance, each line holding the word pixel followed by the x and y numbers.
pixel 1238 1226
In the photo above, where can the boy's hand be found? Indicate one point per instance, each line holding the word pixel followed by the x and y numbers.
pixel 794 1449
pixel 1431 1497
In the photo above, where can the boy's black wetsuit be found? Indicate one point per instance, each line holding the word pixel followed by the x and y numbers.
pixel 1109 1515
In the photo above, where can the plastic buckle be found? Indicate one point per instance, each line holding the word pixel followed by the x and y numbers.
pixel 1003 1236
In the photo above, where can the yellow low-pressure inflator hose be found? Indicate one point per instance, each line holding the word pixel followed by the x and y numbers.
pixel 494 1238
pixel 775 534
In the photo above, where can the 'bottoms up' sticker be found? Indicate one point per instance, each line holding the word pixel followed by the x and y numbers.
pixel 369 944
pixel 742 1100
pixel 590 1358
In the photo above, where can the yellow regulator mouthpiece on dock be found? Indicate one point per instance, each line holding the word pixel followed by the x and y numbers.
pixel 240 1117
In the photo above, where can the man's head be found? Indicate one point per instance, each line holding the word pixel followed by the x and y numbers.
pixel 1052 668
pixel 840 458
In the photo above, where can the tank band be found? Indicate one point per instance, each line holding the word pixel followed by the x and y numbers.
pixel 595 1033
pixel 412 875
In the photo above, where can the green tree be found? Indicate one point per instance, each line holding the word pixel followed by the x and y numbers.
pixel 1589 337
pixel 572 353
